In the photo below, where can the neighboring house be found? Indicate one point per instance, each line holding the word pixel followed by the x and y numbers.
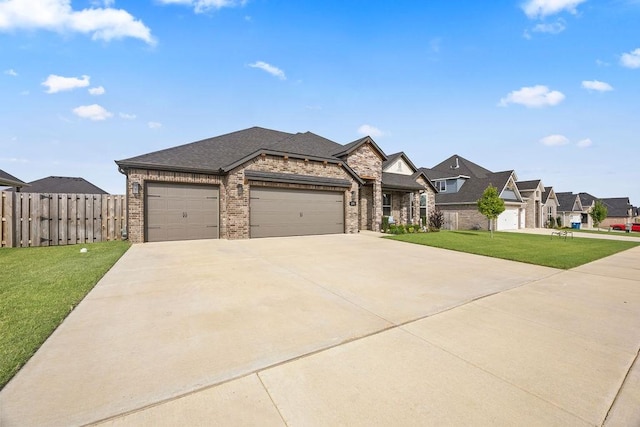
pixel 570 209
pixel 260 183
pixel 407 193
pixel 460 183
pixel 532 193
pixel 549 205
pixel 9 180
pixel 587 201
pixel 62 184
pixel 619 211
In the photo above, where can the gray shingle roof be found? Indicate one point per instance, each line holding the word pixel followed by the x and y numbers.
pixel 566 201
pixel 8 179
pixel 352 146
pixel 528 185
pixel 617 207
pixel 396 181
pixel 210 155
pixel 65 185
pixel 456 166
pixel 473 188
pixel 586 199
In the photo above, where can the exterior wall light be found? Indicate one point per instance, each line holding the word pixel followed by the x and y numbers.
pixel 135 188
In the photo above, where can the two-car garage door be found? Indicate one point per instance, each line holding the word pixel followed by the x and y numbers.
pixel 181 211
pixel 293 212
pixel 176 211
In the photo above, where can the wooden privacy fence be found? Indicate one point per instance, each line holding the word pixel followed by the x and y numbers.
pixel 48 219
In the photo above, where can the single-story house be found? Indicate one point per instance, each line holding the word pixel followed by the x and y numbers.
pixel 260 182
pixel 570 209
pixel 62 184
pixel 8 180
pixel 460 183
pixel 619 211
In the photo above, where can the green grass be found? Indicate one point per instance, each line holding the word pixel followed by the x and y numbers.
pixel 529 248
pixel 604 232
pixel 38 288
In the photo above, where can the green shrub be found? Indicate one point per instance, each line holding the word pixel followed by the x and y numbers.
pixel 385 224
pixel 552 222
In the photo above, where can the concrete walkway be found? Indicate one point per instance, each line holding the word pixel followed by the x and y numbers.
pixel 339 330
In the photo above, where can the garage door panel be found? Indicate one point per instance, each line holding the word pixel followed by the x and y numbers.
pixel 286 212
pixel 181 212
pixel 508 220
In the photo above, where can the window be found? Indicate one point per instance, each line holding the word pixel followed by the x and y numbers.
pixel 441 186
pixel 386 204
pixel 423 205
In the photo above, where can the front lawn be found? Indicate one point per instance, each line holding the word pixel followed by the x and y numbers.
pixel 38 288
pixel 533 249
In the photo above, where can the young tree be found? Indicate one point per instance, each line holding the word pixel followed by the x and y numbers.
pixel 491 205
pixel 598 213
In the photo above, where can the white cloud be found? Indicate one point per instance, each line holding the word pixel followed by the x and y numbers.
pixel 97 90
pixel 533 97
pixel 274 71
pixel 601 63
pixel 631 59
pixel 11 72
pixel 127 116
pixel 92 112
pixel 368 130
pixel 553 28
pixel 584 143
pixel 58 83
pixel 554 140
pixel 541 8
pixel 200 6
pixel 154 125
pixel 57 15
pixel 596 85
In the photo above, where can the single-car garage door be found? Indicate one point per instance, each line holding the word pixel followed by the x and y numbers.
pixel 508 220
pixel 181 212
pixel 287 212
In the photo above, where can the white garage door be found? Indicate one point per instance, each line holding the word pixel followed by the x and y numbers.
pixel 181 212
pixel 291 212
pixel 508 220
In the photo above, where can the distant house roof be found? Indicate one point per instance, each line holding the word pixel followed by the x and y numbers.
pixel 587 199
pixel 7 179
pixel 63 184
pixel 547 193
pixel 473 188
pixel 569 202
pixel 618 207
pixel 455 166
pixel 528 185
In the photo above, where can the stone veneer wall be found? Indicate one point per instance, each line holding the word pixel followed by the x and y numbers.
pixel 431 200
pixel 135 203
pixel 366 162
pixel 238 205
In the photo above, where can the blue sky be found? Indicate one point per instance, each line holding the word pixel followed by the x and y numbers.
pixel 549 88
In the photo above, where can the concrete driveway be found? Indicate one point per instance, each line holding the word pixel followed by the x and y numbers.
pixel 339 330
